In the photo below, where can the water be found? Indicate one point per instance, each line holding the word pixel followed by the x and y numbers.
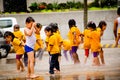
pixel 69 71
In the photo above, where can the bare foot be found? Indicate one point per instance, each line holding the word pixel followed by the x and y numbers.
pixel 34 76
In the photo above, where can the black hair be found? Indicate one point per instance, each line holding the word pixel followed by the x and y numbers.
pixel 8 33
pixel 29 19
pixel 54 26
pixel 118 11
pixel 38 25
pixel 91 24
pixel 101 23
pixel 48 28
pixel 16 26
pixel 71 23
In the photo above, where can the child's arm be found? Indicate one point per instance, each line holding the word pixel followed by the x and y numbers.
pixel 115 28
pixel 29 33
pixel 38 42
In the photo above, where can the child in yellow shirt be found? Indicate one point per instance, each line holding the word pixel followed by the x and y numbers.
pixel 39 43
pixel 18 47
pixel 95 46
pixel 101 28
pixel 53 49
pixel 56 32
pixel 18 34
pixel 66 47
pixel 86 43
pixel 74 37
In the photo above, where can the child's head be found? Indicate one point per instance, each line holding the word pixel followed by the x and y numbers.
pixel 54 26
pixel 71 23
pixel 102 25
pixel 91 25
pixel 38 27
pixel 118 11
pixel 9 36
pixel 48 31
pixel 16 27
pixel 29 22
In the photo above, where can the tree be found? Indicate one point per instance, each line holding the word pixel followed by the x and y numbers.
pixel 85 13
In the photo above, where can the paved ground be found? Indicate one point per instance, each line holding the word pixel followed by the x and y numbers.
pixel 69 71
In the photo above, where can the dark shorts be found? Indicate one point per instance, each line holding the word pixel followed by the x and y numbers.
pixel 18 56
pixel 95 54
pixel 74 49
pixel 28 49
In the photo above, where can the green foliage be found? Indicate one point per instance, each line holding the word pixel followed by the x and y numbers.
pixel 34 6
pixel 71 5
pixel 103 3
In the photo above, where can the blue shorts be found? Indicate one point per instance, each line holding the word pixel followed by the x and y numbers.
pixel 28 49
pixel 74 49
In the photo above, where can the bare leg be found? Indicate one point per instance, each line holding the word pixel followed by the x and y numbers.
pixel 18 65
pixel 21 65
pixel 102 56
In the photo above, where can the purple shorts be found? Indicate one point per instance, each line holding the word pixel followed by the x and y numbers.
pixel 18 56
pixel 95 54
pixel 74 49
pixel 28 49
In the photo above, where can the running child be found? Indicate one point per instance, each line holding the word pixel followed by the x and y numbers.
pixel 29 32
pixel 66 47
pixel 95 46
pixel 86 42
pixel 74 37
pixel 18 47
pixel 101 28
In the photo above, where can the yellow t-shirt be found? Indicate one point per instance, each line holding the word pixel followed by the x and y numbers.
pixel 74 31
pixel 86 39
pixel 95 41
pixel 19 35
pixel 66 44
pixel 37 46
pixel 17 46
pixel 55 46
pixel 59 39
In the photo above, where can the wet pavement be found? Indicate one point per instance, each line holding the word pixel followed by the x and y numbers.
pixel 69 71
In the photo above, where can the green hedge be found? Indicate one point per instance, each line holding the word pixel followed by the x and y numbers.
pixel 71 5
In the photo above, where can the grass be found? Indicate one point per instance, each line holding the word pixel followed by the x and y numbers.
pixel 96 8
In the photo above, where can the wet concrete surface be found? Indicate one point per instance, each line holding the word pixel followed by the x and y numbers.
pixel 69 71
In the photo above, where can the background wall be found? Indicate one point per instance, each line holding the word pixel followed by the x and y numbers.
pixel 62 19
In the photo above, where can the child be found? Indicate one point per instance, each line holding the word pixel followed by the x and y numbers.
pixel 53 49
pixel 94 36
pixel 116 28
pixel 101 28
pixel 39 42
pixel 18 47
pixel 18 33
pixel 66 47
pixel 74 37
pixel 86 42
pixel 20 36
pixel 56 32
pixel 29 45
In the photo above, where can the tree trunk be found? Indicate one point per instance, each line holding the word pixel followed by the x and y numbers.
pixel 85 13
